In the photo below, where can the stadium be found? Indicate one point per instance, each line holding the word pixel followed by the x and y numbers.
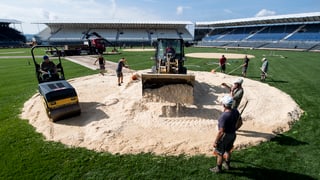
pixel 293 31
pixel 285 40
pixel 10 37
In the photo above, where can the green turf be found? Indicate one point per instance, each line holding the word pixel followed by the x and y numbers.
pixel 24 153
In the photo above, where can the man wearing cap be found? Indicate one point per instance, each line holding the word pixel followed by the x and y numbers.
pixel 236 92
pixel 226 134
pixel 48 68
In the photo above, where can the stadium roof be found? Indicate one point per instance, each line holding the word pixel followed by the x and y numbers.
pixel 279 19
pixel 117 24
pixel 10 21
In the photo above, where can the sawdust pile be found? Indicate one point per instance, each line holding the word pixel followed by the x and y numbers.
pixel 179 93
pixel 118 120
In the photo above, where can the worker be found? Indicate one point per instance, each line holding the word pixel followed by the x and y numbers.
pixel 102 63
pixel 170 53
pixel 226 135
pixel 121 64
pixel 264 69
pixel 48 69
pixel 236 92
pixel 170 50
pixel 245 66
pixel 222 64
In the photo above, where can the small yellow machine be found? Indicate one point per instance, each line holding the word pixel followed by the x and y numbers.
pixel 59 97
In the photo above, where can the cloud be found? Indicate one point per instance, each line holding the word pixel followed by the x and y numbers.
pixel 180 9
pixel 47 15
pixel 228 11
pixel 113 8
pixel 265 12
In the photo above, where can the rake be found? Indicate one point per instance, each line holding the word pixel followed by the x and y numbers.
pixel 214 70
pixel 235 69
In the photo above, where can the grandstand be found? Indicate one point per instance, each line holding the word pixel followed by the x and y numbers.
pixel 128 33
pixel 294 31
pixel 10 37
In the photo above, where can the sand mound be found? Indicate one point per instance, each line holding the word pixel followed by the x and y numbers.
pixel 118 120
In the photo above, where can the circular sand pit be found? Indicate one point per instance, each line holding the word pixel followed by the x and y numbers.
pixel 218 55
pixel 117 119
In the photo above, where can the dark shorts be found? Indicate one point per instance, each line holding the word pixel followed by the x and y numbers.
pixel 244 69
pixel 102 67
pixel 223 67
pixel 226 143
pixel 119 74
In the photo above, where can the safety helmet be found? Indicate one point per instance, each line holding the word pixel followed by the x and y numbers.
pixel 45 57
pixel 239 81
pixel 227 101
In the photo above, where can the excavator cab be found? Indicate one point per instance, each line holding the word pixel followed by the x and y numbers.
pixel 170 56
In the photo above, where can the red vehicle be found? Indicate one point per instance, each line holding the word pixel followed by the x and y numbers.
pixel 95 46
pixel 90 46
pixel 98 44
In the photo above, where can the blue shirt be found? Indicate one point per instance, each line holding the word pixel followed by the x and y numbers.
pixel 120 65
pixel 228 120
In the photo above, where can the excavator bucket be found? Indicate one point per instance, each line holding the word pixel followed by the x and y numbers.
pixel 151 80
pixel 176 88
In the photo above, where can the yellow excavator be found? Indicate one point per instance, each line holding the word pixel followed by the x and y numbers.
pixel 59 97
pixel 169 70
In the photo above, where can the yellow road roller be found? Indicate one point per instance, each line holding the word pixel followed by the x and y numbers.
pixel 59 97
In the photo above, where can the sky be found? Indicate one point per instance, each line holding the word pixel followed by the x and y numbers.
pixel 30 12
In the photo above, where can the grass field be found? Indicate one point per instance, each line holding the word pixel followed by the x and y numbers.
pixel 24 153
